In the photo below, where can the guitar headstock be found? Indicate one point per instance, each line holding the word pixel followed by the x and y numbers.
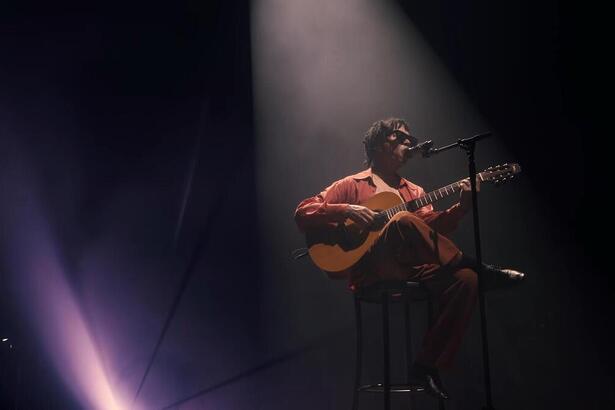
pixel 500 174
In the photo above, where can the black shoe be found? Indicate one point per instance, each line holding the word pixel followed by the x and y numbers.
pixel 495 277
pixel 429 379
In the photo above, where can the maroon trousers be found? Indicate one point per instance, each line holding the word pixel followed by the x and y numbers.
pixel 409 249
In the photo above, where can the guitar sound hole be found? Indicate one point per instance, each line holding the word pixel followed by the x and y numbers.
pixel 378 223
pixel 351 237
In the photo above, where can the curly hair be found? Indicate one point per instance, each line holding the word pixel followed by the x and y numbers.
pixel 377 133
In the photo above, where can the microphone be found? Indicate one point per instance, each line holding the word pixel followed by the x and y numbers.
pixel 425 148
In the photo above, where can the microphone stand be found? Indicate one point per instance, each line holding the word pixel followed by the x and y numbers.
pixel 468 145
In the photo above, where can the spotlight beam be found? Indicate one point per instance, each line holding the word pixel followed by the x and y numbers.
pixel 322 341
pixel 186 276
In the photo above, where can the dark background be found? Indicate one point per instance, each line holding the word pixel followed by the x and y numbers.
pixel 130 95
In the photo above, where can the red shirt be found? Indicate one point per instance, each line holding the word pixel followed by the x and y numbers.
pixel 329 207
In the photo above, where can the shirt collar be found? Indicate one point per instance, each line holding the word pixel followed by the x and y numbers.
pixel 367 174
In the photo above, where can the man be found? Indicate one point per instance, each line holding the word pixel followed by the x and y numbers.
pixel 412 246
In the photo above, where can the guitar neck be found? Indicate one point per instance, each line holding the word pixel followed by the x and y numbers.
pixel 428 198
pixel 433 196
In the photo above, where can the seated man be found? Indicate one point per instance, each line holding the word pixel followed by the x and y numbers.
pixel 411 246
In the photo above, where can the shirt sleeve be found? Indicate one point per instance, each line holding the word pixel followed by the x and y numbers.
pixel 443 222
pixel 325 209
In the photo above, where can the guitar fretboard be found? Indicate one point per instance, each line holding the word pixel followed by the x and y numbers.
pixel 426 199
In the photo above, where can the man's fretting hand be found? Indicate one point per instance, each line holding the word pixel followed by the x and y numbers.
pixel 465 195
pixel 361 215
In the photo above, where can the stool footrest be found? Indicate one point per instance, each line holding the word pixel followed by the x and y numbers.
pixel 394 388
pixel 397 290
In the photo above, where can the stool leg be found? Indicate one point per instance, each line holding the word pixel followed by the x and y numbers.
pixel 409 355
pixel 430 320
pixel 430 310
pixel 359 353
pixel 385 341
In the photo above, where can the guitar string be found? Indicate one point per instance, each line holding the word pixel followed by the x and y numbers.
pixel 427 199
pixel 390 212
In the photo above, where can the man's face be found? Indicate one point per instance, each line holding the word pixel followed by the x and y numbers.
pixel 395 145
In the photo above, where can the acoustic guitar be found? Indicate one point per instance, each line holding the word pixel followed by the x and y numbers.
pixel 335 250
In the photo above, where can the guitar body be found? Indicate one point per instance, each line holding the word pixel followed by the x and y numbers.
pixel 338 249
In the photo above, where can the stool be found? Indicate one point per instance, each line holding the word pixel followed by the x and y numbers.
pixel 384 293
